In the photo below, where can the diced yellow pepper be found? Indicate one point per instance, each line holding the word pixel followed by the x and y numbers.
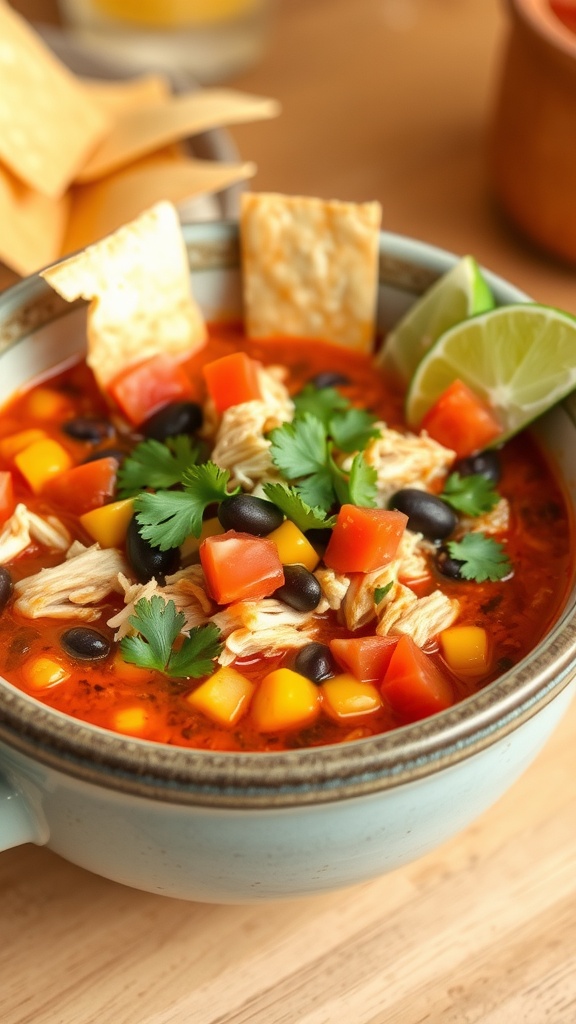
pixel 43 672
pixel 344 696
pixel 224 697
pixel 132 721
pixel 46 404
pixel 109 523
pixel 14 443
pixel 129 672
pixel 293 547
pixel 41 461
pixel 284 700
pixel 210 528
pixel 466 649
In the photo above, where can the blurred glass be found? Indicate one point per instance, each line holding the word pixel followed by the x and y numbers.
pixel 209 39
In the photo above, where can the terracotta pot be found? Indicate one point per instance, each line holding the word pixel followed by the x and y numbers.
pixel 532 153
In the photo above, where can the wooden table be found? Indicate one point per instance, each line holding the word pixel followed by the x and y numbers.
pixel 386 99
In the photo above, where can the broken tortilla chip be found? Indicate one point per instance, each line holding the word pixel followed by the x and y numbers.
pixel 103 206
pixel 32 225
pixel 128 94
pixel 138 281
pixel 140 131
pixel 310 268
pixel 48 122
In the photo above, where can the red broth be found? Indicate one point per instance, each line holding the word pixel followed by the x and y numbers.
pixel 516 611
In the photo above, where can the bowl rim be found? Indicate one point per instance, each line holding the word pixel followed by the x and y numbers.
pixel 312 775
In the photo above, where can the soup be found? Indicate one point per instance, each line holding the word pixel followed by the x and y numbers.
pixel 280 632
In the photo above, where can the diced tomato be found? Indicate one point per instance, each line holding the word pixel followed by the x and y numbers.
pixel 413 685
pixel 566 12
pixel 366 657
pixel 84 487
pixel 231 380
pixel 239 566
pixel 460 420
pixel 146 387
pixel 364 538
pixel 7 499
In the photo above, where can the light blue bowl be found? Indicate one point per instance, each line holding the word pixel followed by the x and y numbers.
pixel 229 827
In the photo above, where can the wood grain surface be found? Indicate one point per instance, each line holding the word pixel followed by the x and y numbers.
pixel 385 99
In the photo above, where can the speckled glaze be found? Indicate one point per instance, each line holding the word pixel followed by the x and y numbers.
pixel 228 827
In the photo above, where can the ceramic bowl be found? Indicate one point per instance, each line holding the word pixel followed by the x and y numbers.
pixel 231 827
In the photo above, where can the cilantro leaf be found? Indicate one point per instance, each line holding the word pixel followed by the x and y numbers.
pixel 473 495
pixel 195 658
pixel 317 490
pixel 362 482
pixel 320 402
pixel 168 517
pixel 483 557
pixel 292 504
pixel 352 429
pixel 159 624
pixel 299 448
pixel 380 592
pixel 156 465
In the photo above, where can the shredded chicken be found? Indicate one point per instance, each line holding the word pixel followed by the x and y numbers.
pixel 405 460
pixel 74 588
pixel 412 556
pixel 334 586
pixel 393 606
pixel 426 617
pixel 261 627
pixel 359 606
pixel 185 588
pixel 493 522
pixel 243 642
pixel 24 526
pixel 240 444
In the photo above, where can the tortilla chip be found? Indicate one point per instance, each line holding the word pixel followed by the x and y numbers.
pixel 141 131
pixel 117 96
pixel 103 206
pixel 138 281
pixel 48 123
pixel 310 268
pixel 31 225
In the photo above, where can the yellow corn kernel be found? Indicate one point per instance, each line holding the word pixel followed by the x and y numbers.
pixel 284 700
pixel 46 404
pixel 130 673
pixel 344 696
pixel 14 443
pixel 43 672
pixel 108 524
pixel 132 721
pixel 293 546
pixel 210 528
pixel 465 649
pixel 224 697
pixel 41 461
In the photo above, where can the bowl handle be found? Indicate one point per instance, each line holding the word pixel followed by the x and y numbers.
pixel 16 821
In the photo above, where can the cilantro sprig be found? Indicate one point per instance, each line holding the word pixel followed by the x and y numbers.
pixel 292 504
pixel 156 464
pixel 473 495
pixel 167 517
pixel 304 450
pixel 482 557
pixel 159 624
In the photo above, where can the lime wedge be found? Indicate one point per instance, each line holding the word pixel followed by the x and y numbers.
pixel 521 359
pixel 460 292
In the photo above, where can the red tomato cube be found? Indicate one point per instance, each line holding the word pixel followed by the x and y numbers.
pixel 240 567
pixel 413 685
pixel 146 387
pixel 364 539
pixel 366 657
pixel 232 380
pixel 460 420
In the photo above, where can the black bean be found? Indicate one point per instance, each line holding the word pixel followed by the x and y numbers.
pixel 485 463
pixel 300 589
pixel 106 453
pixel 329 379
pixel 85 643
pixel 88 428
pixel 6 586
pixel 247 514
pixel 447 565
pixel 319 536
pixel 426 513
pixel 147 560
pixel 173 419
pixel 315 662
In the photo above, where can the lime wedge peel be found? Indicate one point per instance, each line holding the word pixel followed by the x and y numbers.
pixel 460 293
pixel 521 359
